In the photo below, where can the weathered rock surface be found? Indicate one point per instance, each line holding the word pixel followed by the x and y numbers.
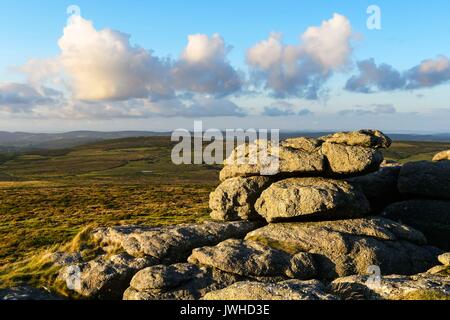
pixel 440 270
pixel 348 247
pixel 351 160
pixel 235 198
pixel 426 179
pixel 379 187
pixel 311 197
pixel 256 159
pixel 432 217
pixel 442 156
pixel 104 277
pixel 253 259
pixel 26 293
pixel 171 244
pixel 362 138
pixel 423 286
pixel 181 281
pixel 303 143
pixel 286 290
pixel 445 259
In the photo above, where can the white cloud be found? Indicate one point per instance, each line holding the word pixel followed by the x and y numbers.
pixel 301 70
pixel 329 44
pixel 104 66
pixel 203 67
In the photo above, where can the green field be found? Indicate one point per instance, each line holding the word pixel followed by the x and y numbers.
pixel 47 197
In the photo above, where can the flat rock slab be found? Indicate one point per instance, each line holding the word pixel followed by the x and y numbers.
pixel 348 247
pixel 425 179
pixel 351 160
pixel 254 159
pixel 305 198
pixel 104 277
pixel 182 281
pixel 286 290
pixel 253 259
pixel 423 286
pixel 432 217
pixel 363 138
pixel 171 244
pixel 235 198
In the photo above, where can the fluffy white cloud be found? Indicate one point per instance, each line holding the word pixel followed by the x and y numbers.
pixel 329 44
pixel 103 65
pixel 300 70
pixel 203 67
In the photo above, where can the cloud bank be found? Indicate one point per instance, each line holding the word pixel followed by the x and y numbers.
pixel 100 74
pixel 374 78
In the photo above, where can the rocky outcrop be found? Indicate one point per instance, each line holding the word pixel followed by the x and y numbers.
pixel 348 247
pixel 442 156
pixel 311 198
pixel 235 198
pixel 181 281
pixel 173 243
pixel 425 179
pixel 423 286
pixel 432 217
pixel 286 290
pixel 253 259
pixel 345 153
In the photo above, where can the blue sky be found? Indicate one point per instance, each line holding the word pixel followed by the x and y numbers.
pixel 411 34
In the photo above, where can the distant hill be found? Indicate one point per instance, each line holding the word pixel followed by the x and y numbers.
pixel 20 141
pixel 11 141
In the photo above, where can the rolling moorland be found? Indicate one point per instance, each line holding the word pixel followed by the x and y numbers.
pixel 48 196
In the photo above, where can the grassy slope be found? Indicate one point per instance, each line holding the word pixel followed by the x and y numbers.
pixel 47 197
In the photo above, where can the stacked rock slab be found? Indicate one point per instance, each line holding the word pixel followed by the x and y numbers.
pixel 314 163
pixel 426 184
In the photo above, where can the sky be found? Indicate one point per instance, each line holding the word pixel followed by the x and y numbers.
pixel 161 65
